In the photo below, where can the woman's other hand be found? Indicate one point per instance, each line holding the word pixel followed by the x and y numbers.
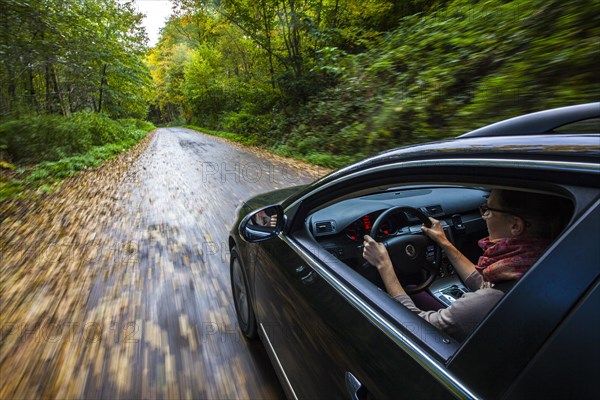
pixel 376 253
pixel 436 232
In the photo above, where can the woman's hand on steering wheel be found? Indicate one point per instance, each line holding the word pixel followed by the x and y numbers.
pixel 436 232
pixel 376 253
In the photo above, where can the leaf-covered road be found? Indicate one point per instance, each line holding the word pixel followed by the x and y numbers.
pixel 118 285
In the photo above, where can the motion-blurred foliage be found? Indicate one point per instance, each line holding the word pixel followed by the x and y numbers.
pixel 333 81
pixel 456 69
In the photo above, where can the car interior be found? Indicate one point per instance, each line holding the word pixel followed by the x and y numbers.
pixel 397 215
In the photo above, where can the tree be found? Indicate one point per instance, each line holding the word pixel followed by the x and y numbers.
pixel 61 56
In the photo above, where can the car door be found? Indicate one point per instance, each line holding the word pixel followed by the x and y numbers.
pixel 337 336
pixel 334 333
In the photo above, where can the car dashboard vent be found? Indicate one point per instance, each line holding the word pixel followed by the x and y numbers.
pixel 325 226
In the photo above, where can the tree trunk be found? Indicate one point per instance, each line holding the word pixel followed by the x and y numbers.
pixel 49 107
pixel 318 23
pixel 32 95
pixel 291 36
pixel 59 96
pixel 335 14
pixel 7 108
pixel 267 26
pixel 103 83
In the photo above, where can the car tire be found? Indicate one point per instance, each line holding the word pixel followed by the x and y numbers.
pixel 241 297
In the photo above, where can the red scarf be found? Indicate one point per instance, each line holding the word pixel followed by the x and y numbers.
pixel 508 258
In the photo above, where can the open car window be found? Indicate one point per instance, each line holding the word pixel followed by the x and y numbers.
pixel 340 227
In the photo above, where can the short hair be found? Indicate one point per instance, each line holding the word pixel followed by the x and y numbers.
pixel 547 214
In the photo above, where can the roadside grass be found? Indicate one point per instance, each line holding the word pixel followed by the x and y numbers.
pixel 22 180
pixel 234 137
pixel 308 155
pixel 314 156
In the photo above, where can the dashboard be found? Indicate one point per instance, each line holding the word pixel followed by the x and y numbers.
pixel 353 218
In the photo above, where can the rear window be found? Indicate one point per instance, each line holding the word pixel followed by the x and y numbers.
pixel 591 125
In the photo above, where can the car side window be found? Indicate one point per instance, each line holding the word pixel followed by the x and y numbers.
pixel 439 290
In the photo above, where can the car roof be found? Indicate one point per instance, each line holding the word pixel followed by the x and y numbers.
pixel 542 122
pixel 575 147
pixel 580 148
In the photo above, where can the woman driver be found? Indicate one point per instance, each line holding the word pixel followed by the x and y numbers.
pixel 520 226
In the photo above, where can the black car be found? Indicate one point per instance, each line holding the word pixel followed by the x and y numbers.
pixel 300 282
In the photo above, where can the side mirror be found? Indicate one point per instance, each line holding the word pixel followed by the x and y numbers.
pixel 262 224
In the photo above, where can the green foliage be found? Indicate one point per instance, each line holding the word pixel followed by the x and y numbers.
pixel 258 57
pixel 551 65
pixel 328 81
pixel 246 124
pixel 62 147
pixel 316 157
pixel 132 125
pixel 42 137
pixel 50 137
pixel 454 69
pixel 63 56
pixel 234 137
pixel 334 80
pixel 50 171
pixel 327 160
pixel 10 189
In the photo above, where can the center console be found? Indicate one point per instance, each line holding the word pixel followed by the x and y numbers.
pixel 448 289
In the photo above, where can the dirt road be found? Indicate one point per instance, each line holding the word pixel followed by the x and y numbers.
pixel 124 292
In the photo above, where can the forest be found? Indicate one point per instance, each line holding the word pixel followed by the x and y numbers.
pixel 326 81
pixel 331 81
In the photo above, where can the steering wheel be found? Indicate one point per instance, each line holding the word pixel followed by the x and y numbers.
pixel 409 252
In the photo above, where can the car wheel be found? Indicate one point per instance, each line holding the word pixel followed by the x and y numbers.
pixel 241 298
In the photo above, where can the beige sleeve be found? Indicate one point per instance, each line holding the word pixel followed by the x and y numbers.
pixel 460 318
pixel 474 281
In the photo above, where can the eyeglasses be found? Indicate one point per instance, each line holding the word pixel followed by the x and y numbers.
pixel 484 208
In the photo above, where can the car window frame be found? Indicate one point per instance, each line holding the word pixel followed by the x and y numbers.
pixel 452 170
pixel 545 176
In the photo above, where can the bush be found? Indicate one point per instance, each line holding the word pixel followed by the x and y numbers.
pixel 132 124
pixel 61 147
pixel 101 128
pixel 245 124
pixel 328 160
pixel 39 138
pixel 50 137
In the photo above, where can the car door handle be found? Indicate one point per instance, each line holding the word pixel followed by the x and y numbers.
pixel 356 389
pixel 308 276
